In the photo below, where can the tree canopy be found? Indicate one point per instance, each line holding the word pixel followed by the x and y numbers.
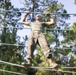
pixel 61 37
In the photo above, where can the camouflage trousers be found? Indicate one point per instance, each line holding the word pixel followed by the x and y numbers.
pixel 37 37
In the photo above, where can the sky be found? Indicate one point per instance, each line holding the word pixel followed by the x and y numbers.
pixel 68 5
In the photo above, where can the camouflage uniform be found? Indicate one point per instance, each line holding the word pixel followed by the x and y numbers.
pixel 37 37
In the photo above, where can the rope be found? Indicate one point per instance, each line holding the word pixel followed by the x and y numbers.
pixel 12 72
pixel 8 44
pixel 30 28
pixel 14 27
pixel 40 68
pixel 64 71
pixel 12 44
pixel 69 67
pixel 3 62
pixel 15 11
pixel 48 68
pixel 37 12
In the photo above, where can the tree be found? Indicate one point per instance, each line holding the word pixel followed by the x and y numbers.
pixel 9 20
pixel 69 43
pixel 62 50
pixel 74 1
pixel 51 6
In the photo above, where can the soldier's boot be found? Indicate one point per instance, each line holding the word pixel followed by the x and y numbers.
pixel 28 63
pixel 52 64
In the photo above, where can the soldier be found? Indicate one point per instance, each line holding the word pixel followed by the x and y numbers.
pixel 37 37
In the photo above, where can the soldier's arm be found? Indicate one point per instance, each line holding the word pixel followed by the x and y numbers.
pixel 23 20
pixel 51 22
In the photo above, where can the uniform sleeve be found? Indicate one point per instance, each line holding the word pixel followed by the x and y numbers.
pixel 30 23
pixel 44 24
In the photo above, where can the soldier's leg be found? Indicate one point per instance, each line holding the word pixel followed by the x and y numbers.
pixel 30 49
pixel 44 45
pixel 47 52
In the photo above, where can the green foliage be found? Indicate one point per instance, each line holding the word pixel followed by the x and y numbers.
pixel 73 26
pixel 70 34
pixel 41 72
pixel 62 48
pixel 74 1
pixel 69 42
pixel 9 35
pixel 54 7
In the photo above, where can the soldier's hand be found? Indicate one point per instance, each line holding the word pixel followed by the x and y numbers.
pixel 47 14
pixel 27 13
